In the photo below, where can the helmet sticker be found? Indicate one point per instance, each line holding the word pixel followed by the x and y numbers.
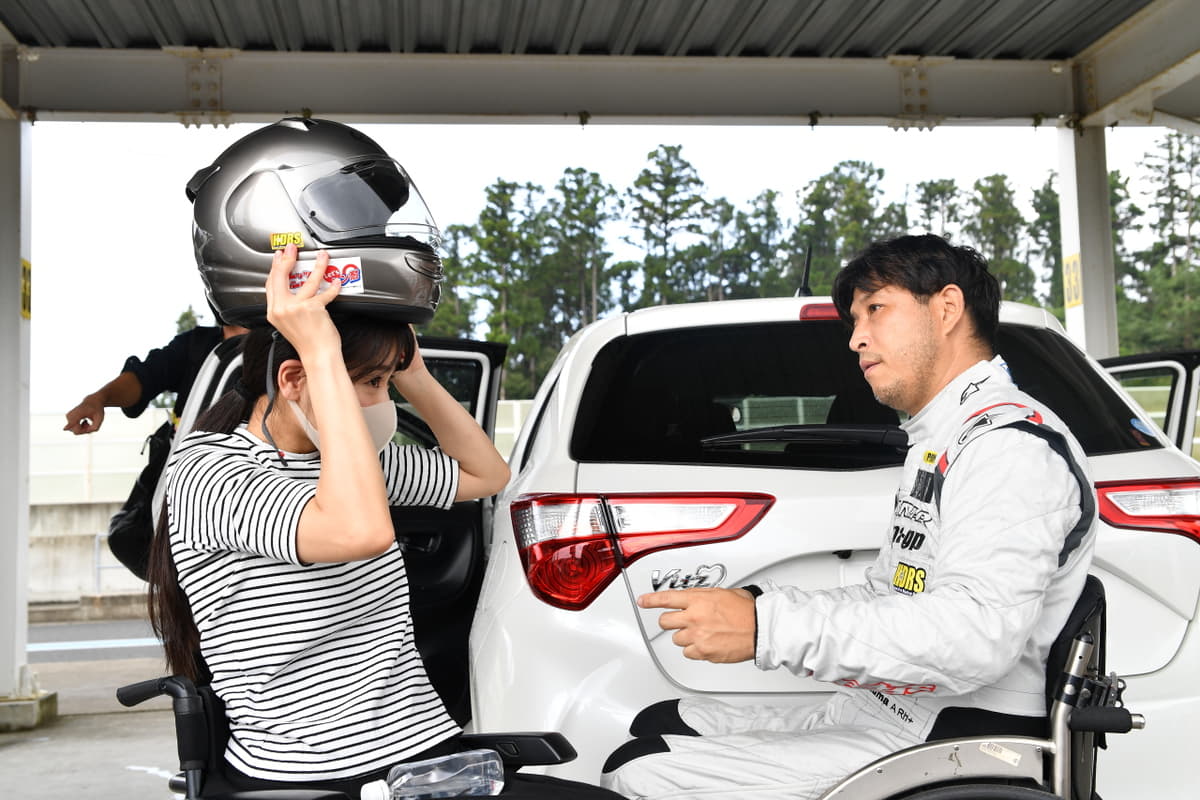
pixel 282 240
pixel 348 271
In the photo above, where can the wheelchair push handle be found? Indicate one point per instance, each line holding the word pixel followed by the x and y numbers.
pixel 175 686
pixel 1105 719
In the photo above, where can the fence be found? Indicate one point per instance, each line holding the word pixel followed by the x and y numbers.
pixel 76 484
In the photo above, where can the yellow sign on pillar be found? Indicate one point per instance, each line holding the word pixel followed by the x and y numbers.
pixel 1072 281
pixel 26 290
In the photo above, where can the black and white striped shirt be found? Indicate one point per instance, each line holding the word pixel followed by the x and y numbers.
pixel 316 663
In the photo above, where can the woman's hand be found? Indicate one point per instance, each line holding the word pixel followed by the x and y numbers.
pixel 302 317
pixel 415 372
pixel 482 471
pixel 348 517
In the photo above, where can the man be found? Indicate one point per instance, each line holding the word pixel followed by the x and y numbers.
pixel 987 550
pixel 172 368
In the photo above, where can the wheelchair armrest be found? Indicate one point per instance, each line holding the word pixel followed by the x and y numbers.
pixel 524 749
pixel 279 794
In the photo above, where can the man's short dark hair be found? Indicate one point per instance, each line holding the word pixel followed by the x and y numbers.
pixel 923 265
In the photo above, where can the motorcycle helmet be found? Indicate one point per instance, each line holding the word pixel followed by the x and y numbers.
pixel 322 186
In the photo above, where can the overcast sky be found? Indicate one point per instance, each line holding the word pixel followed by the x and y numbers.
pixel 111 253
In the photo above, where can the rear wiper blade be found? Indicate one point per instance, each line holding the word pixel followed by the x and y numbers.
pixel 886 435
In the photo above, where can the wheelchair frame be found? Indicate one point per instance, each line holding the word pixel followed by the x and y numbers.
pixel 1083 706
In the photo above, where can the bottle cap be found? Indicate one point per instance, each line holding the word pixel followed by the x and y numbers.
pixel 375 790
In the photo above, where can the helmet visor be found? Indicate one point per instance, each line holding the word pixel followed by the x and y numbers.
pixel 365 201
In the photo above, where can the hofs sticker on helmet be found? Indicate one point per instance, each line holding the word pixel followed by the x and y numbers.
pixel 319 185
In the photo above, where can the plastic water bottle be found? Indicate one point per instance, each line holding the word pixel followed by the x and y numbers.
pixel 472 773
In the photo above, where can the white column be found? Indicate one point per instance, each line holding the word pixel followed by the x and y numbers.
pixel 1089 283
pixel 15 681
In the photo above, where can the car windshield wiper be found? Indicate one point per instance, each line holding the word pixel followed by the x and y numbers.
pixel 886 435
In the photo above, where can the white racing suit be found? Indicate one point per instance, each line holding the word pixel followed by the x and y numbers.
pixel 989 544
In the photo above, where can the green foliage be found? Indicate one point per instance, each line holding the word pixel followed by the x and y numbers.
pixel 537 266
pixel 938 204
pixel 1045 235
pixel 453 319
pixel 186 321
pixel 1158 307
pixel 994 226
pixel 840 214
pixel 666 204
pixel 585 204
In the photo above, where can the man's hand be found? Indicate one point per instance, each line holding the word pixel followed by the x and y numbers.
pixel 714 625
pixel 87 417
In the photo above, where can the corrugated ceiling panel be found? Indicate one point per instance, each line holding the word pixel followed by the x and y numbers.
pixel 1026 29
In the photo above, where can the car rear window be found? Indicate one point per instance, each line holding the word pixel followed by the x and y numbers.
pixel 670 397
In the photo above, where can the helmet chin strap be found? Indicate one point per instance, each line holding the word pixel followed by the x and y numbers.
pixel 275 337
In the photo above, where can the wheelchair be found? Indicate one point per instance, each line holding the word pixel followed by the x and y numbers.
pixel 1083 705
pixel 202 731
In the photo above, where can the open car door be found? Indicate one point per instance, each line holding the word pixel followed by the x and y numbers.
pixel 443 550
pixel 1166 385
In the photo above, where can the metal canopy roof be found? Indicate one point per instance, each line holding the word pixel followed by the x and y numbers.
pixel 735 28
pixel 899 62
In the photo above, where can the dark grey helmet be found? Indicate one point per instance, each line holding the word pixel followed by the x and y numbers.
pixel 323 186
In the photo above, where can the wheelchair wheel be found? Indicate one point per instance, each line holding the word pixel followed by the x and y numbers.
pixel 981 791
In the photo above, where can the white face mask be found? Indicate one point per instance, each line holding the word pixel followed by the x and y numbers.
pixel 380 419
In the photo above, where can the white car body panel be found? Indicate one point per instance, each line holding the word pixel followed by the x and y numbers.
pixel 588 672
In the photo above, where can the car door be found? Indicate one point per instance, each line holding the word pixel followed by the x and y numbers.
pixel 444 550
pixel 1166 385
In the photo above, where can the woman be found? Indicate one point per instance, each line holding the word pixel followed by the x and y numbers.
pixel 278 564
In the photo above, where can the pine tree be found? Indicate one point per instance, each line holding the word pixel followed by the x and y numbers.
pixel 1045 234
pixel 841 213
pixel 938 201
pixel 576 221
pixel 453 318
pixel 1159 308
pixel 666 201
pixel 994 226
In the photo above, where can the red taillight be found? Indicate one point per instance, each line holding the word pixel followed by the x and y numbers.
pixel 819 311
pixel 572 546
pixel 1171 505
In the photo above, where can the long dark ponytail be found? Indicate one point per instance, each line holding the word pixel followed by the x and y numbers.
pixel 367 345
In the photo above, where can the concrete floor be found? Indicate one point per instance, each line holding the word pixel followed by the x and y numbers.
pixel 96 749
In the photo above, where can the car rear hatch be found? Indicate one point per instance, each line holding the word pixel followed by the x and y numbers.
pixel 727 454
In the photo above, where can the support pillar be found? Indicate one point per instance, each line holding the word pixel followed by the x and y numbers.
pixel 1089 281
pixel 22 705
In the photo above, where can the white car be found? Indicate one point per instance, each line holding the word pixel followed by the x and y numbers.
pixel 623 484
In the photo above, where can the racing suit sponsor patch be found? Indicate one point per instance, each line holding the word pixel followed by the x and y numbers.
pixel 922 488
pixel 883 687
pixel 908 579
pixel 907 509
pixel 971 389
pixel 981 422
pixel 906 539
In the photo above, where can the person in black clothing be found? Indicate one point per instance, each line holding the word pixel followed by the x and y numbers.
pixel 165 369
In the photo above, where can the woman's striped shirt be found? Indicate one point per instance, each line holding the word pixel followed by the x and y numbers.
pixel 316 664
